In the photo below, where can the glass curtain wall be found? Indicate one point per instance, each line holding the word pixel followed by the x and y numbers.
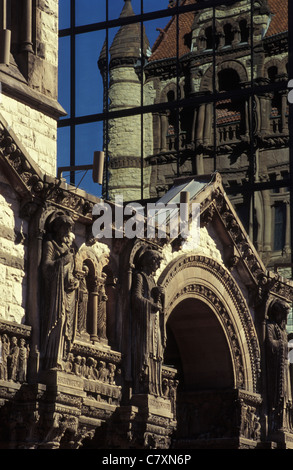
pixel 184 88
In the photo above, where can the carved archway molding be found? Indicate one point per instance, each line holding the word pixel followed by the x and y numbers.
pixel 206 82
pixel 205 279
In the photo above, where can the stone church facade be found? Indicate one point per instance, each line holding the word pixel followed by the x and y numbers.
pixel 187 140
pixel 119 342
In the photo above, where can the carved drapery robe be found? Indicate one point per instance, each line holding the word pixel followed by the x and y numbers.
pixel 279 389
pixel 60 303
pixel 147 337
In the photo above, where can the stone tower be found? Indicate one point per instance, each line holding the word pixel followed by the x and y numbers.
pixel 125 92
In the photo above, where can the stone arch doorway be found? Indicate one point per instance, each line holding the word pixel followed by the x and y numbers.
pixel 197 346
pixel 212 342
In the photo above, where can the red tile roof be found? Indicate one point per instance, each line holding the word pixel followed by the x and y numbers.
pixel 279 23
pixel 165 46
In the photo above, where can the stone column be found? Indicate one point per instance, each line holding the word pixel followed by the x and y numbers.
pixel 208 123
pixel 164 128
pixel 26 32
pixel 284 123
pixel 200 124
pixel 5 33
pixel 94 305
pixel 288 228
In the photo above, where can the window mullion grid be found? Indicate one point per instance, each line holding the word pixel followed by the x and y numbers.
pixel 252 156
pixel 106 127
pixel 290 70
pixel 177 130
pixel 72 89
pixel 141 100
pixel 214 89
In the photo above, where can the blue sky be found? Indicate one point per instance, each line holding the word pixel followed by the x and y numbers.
pixel 89 96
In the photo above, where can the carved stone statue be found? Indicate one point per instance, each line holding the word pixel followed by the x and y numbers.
pixel 148 329
pixel 22 361
pixel 5 347
pixel 83 297
pixel 59 293
pixel 102 312
pixel 13 359
pixel 279 389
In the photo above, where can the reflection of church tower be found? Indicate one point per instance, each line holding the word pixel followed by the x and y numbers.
pixel 124 134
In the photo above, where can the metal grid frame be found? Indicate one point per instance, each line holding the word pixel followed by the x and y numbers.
pixel 253 90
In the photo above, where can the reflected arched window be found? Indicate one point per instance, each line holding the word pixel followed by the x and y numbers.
pixel 230 113
pixel 171 114
pixel 276 109
pixel 229 35
pixel 209 37
pixel 280 226
pixel 244 31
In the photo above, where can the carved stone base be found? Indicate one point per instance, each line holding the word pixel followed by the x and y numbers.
pixel 282 440
pixel 153 405
pixel 147 423
pixel 221 443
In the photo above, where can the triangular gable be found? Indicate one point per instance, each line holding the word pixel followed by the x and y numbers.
pixel 216 208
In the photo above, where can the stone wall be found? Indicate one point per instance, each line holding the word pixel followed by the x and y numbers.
pixel 35 130
pixel 27 105
pixel 13 255
pixel 44 73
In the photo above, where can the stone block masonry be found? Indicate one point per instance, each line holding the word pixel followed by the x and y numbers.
pixel 13 256
pixel 35 130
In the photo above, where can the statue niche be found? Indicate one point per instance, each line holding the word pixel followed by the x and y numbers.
pixel 148 327
pixel 91 298
pixel 59 296
pixel 278 371
pixel 82 326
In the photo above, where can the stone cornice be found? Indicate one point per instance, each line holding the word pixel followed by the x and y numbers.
pixel 18 89
pixel 15 329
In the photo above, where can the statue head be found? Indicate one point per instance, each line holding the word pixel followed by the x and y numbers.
pixel 61 227
pixel 150 261
pixel 278 312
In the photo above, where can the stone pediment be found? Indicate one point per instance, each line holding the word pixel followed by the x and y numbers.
pixel 238 251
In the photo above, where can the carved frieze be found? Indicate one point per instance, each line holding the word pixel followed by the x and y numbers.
pixel 14 352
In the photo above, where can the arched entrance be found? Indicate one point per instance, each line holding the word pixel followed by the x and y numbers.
pixel 198 346
pixel 212 342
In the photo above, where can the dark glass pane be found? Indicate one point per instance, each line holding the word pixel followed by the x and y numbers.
pixel 89 11
pixel 89 138
pixel 63 149
pixel 280 227
pixel 64 14
pixel 89 83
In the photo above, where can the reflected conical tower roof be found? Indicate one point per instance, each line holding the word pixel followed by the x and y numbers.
pixel 126 45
